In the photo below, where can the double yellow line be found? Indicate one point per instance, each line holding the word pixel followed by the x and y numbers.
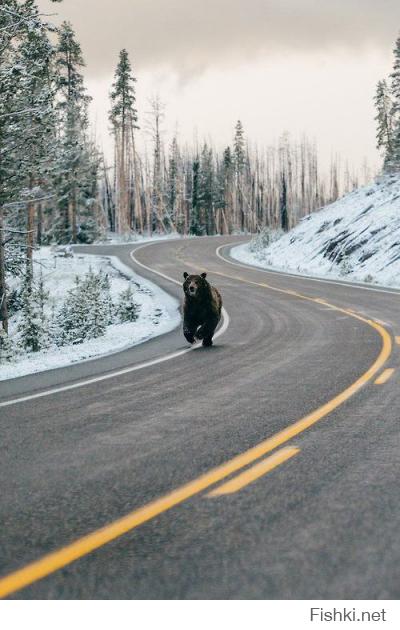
pixel 58 559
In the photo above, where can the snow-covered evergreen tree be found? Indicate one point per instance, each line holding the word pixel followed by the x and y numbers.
pixel 127 308
pixel 32 329
pixel 395 112
pixel 195 226
pixel 7 349
pixel 283 207
pixel 206 194
pixel 86 311
pixel 161 220
pixel 226 189
pixel 123 117
pixel 74 158
pixel 97 291
pixel 34 120
pixel 173 180
pixel 384 137
pixel 239 154
pixel 26 125
pixel 239 148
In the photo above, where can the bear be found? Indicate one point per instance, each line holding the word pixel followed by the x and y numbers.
pixel 201 309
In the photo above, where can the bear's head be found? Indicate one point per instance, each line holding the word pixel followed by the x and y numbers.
pixel 195 286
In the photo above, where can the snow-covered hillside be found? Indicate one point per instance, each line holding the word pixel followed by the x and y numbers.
pixel 355 238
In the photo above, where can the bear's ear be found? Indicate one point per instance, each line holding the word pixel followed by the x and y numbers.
pixel 185 275
pixel 204 275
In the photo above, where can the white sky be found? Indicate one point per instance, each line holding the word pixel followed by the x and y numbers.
pixel 290 65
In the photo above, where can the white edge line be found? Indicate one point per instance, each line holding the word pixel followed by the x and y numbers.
pixel 343 283
pixel 127 370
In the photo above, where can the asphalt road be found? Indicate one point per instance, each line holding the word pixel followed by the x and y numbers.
pixel 276 410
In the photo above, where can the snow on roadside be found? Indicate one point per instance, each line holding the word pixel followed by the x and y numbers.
pixel 159 312
pixel 136 239
pixel 357 238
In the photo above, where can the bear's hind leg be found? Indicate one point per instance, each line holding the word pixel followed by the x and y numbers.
pixel 207 332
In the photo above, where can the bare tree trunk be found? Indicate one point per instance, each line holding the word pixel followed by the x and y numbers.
pixel 72 211
pixel 122 184
pixel 109 198
pixel 3 286
pixel 138 199
pixel 30 239
pixel 74 214
pixel 39 224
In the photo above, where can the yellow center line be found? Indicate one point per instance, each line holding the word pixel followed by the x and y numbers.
pixel 385 376
pixel 256 471
pixel 64 556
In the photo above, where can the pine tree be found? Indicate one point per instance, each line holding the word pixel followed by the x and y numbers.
pixel 239 162
pixel 206 190
pixel 161 220
pixel 176 189
pixel 68 324
pixel 395 112
pixel 106 298
pixel 27 130
pixel 384 106
pixel 35 95
pixel 33 326
pixel 195 227
pixel 239 148
pixel 127 309
pixel 74 160
pixel 283 203
pixel 87 310
pixel 228 177
pixel 25 88
pixel 96 288
pixel 172 183
pixel 7 350
pixel 123 117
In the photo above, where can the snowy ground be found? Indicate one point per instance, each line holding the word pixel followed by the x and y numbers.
pixel 123 239
pixel 158 311
pixel 356 238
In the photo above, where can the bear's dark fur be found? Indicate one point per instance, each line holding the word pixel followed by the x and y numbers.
pixel 201 309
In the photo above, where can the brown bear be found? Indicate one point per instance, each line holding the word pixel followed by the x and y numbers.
pixel 201 309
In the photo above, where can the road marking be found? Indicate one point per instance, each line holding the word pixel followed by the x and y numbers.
pixel 385 376
pixel 380 321
pixel 255 472
pixel 54 561
pixel 61 558
pixel 127 370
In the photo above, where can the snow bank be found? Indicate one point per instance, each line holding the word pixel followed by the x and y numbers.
pixel 356 238
pixel 159 312
pixel 132 237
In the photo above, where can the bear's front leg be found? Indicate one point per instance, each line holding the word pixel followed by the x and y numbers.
pixel 199 334
pixel 189 334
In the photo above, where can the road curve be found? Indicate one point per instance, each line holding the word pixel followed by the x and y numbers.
pixel 265 467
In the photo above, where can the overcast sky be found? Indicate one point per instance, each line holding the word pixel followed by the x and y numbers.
pixel 296 65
